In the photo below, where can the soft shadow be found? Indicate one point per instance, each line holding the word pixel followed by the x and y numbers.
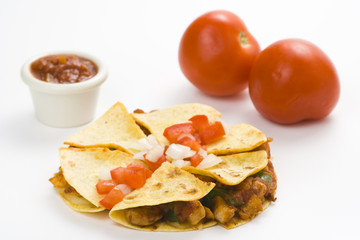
pixel 23 128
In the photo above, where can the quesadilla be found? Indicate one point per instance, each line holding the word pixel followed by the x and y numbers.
pixel 188 171
pixel 169 201
pixel 80 171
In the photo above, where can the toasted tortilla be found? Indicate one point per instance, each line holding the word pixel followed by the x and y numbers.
pixel 233 169
pixel 157 121
pixel 115 129
pixel 77 202
pixel 167 184
pixel 80 168
pixel 239 138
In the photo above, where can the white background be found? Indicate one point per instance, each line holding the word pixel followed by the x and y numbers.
pixel 317 162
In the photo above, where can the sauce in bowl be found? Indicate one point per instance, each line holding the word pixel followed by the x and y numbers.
pixel 63 69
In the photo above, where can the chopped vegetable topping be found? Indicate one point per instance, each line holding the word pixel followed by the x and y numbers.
pixel 105 186
pixel 173 132
pixel 112 198
pixel 123 181
pixel 186 144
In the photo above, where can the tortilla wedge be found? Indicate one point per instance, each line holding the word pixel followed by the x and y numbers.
pixel 115 129
pixel 239 138
pixel 167 184
pixel 233 169
pixel 157 121
pixel 80 168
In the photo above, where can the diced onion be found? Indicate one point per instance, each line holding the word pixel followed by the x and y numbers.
pixel 140 155
pixel 124 188
pixel 152 141
pixel 181 163
pixel 155 153
pixel 209 161
pixel 178 151
pixel 186 135
pixel 104 173
pixel 144 143
pixel 202 153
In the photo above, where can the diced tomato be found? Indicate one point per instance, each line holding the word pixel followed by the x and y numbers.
pixel 173 132
pixel 190 142
pixel 135 179
pixel 197 137
pixel 196 160
pixel 134 175
pixel 112 198
pixel 118 175
pixel 155 165
pixel 105 186
pixel 136 166
pixel 147 172
pixel 200 122
pixel 212 133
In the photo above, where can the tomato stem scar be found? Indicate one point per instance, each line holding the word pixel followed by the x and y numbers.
pixel 243 39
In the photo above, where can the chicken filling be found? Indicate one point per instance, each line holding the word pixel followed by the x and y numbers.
pixel 245 200
pixel 190 213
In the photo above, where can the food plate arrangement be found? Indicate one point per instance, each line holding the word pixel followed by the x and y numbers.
pixel 173 169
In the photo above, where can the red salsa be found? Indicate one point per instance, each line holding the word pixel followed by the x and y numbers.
pixel 63 69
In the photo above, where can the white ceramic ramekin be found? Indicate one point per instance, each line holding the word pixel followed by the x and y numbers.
pixel 65 105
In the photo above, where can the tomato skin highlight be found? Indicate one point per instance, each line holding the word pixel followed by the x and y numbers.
pixel 216 53
pixel 112 198
pixel 293 80
pixel 173 132
pixel 105 186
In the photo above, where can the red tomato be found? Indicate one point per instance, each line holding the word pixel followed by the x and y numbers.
pixel 112 198
pixel 118 175
pixel 155 165
pixel 200 122
pixel 137 166
pixel 173 132
pixel 293 80
pixel 196 160
pixel 216 53
pixel 212 133
pixel 105 186
pixel 190 142
pixel 135 179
